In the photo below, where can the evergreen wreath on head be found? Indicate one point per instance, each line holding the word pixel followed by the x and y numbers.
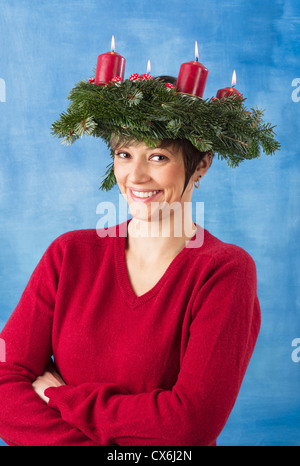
pixel 149 110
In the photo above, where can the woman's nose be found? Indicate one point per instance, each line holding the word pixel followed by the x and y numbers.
pixel 138 171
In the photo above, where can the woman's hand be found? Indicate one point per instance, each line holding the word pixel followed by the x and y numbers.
pixel 50 378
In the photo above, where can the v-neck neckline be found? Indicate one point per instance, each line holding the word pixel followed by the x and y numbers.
pixel 122 271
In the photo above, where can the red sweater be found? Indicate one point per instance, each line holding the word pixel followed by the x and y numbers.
pixel 164 368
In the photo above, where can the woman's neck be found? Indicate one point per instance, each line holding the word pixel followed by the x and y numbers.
pixel 152 242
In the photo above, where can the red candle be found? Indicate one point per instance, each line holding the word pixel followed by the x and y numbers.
pixel 109 65
pixel 228 91
pixel 192 76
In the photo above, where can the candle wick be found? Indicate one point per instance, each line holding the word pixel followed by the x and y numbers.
pixel 196 58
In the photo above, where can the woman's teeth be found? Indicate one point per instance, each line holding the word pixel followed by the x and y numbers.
pixel 145 194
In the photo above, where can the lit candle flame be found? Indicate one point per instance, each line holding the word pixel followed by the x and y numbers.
pixel 233 81
pixel 113 46
pixel 196 51
pixel 148 66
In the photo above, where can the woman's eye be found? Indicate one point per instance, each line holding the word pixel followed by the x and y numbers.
pixel 125 155
pixel 163 157
pixel 122 155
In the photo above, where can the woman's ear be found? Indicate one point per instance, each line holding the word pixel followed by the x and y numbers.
pixel 204 164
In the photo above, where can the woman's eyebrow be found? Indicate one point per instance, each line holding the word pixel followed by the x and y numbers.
pixel 164 149
pixel 161 148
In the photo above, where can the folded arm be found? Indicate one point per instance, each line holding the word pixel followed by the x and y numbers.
pixel 25 419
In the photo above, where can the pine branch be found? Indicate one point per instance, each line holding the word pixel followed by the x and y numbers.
pixel 149 111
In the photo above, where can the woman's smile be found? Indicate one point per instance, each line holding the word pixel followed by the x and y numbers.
pixel 144 196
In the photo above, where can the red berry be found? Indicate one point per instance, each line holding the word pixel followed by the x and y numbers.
pixel 171 86
pixel 134 77
pixel 92 80
pixel 116 79
pixel 145 76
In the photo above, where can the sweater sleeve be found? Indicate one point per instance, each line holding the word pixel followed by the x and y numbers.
pixel 224 327
pixel 25 419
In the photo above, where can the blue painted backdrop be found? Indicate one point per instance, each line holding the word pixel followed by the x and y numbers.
pixel 47 189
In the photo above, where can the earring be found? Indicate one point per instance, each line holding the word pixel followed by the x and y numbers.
pixel 197 181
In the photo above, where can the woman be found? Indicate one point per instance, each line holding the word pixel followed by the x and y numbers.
pixel 151 335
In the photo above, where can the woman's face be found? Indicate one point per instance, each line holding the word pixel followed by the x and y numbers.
pixel 146 176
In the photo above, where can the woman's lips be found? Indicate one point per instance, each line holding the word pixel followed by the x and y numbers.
pixel 144 199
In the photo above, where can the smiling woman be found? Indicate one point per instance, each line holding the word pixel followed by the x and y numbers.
pixel 151 334
pixel 158 179
pixel 152 181
pixel 191 156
